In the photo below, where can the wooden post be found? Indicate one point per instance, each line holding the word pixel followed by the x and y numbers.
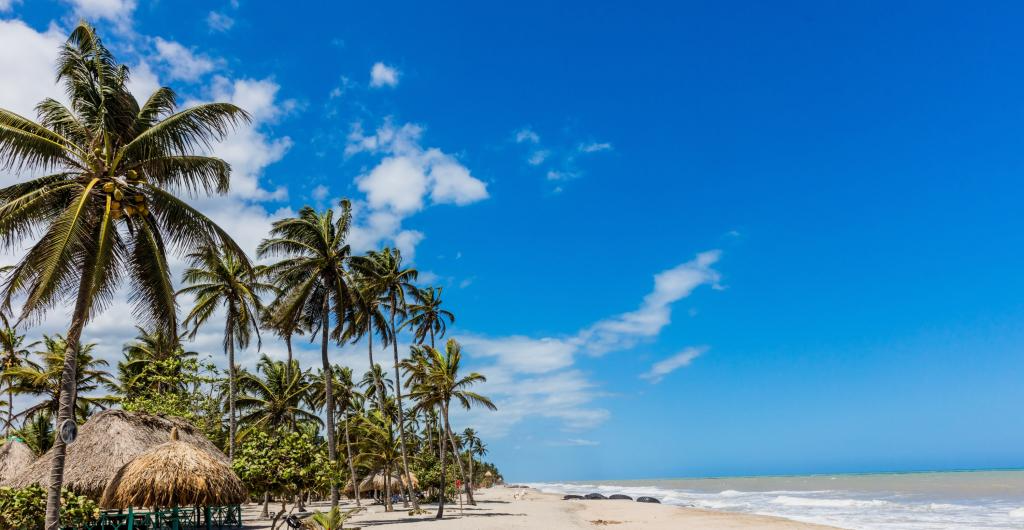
pixel 209 523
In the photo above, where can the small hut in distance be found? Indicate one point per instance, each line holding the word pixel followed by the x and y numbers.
pixel 15 456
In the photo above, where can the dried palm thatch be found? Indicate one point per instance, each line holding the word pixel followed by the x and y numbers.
pixel 376 481
pixel 14 457
pixel 172 474
pixel 105 443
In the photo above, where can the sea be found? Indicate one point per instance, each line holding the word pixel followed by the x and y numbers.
pixel 868 501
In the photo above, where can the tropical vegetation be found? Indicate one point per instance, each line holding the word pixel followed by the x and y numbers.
pixel 100 212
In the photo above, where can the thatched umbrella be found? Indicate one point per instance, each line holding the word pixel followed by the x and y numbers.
pixel 14 457
pixel 376 481
pixel 174 474
pixel 105 443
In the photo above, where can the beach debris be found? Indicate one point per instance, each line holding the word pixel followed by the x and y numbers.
pixel 596 497
pixel 651 500
pixel 621 497
pixel 571 497
pixel 604 522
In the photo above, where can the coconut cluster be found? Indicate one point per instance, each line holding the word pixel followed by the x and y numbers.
pixel 126 205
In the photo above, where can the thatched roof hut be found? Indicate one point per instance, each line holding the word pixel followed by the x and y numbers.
pixel 14 457
pixel 105 443
pixel 376 481
pixel 173 474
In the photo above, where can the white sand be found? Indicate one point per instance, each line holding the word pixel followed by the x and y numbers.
pixel 512 508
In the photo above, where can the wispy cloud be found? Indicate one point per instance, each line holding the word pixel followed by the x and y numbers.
pixel 666 366
pixel 219 22
pixel 539 377
pixel 594 147
pixel 559 163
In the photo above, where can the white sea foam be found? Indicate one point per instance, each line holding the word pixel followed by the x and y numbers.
pixel 884 503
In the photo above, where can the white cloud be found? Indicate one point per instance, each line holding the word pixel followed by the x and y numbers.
pixel 7 5
pixel 219 22
pixel 28 61
pixel 402 181
pixel 671 364
pixel 182 63
pixel 595 147
pixel 382 75
pixel 143 82
pixel 536 377
pixel 577 442
pixel 250 149
pixel 670 286
pixel 523 354
pixel 116 11
pixel 538 157
pixel 527 135
pixel 320 192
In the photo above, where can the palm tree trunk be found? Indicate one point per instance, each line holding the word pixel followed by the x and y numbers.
pixel 455 453
pixel 401 413
pixel 332 444
pixel 470 455
pixel 66 409
pixel 10 409
pixel 351 463
pixel 388 507
pixel 232 424
pixel 444 489
pixel 266 506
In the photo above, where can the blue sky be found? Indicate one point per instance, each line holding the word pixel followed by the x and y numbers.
pixel 682 240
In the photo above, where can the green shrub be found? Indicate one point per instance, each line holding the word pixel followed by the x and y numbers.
pixel 25 509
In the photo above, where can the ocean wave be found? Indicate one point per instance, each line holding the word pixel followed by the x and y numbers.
pixel 1017 514
pixel 828 503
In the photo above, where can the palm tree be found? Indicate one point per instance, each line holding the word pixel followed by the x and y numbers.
pixel 44 380
pixel 347 401
pixel 426 318
pixel 440 383
pixel 375 381
pixel 37 432
pixel 223 280
pixel 105 209
pixel 13 353
pixel 383 273
pixel 470 441
pixel 380 450
pixel 368 320
pixel 315 286
pixel 151 362
pixel 281 398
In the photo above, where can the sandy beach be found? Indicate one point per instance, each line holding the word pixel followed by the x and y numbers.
pixel 512 508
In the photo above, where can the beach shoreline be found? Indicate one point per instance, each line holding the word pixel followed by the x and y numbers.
pixel 503 507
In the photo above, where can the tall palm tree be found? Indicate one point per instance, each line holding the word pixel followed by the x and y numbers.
pixel 13 353
pixel 383 273
pixel 281 398
pixel 367 320
pixel 426 317
pixel 316 288
pixel 43 380
pixel 380 450
pixel 347 401
pixel 223 280
pixel 149 362
pixel 441 383
pixel 469 442
pixel 105 209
